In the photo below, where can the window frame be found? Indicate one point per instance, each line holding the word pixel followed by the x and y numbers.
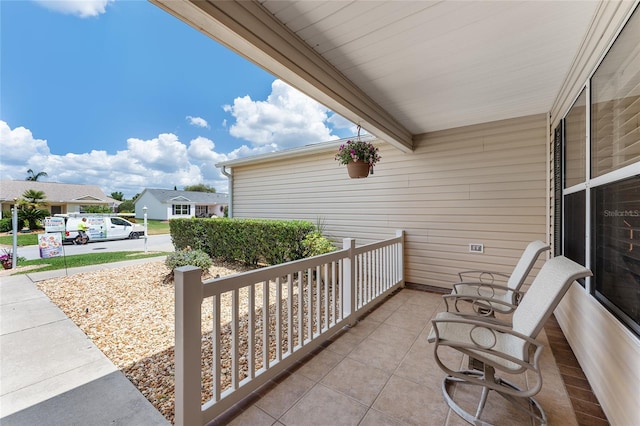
pixel 592 183
pixel 177 209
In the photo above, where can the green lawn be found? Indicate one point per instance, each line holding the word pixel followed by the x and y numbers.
pixel 154 227
pixel 86 260
pixel 23 239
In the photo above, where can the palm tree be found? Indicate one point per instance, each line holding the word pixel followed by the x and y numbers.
pixel 30 207
pixel 117 195
pixel 34 176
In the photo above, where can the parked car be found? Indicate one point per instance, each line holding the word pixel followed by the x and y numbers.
pixel 102 228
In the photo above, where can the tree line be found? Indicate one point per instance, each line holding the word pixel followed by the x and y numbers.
pixel 32 211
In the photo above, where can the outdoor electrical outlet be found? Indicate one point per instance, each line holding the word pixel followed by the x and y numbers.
pixel 476 248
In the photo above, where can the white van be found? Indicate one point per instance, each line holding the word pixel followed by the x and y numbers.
pixel 102 228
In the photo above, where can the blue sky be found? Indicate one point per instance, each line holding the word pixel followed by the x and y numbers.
pixel 123 95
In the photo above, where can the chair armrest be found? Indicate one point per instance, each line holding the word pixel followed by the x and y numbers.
pixel 481 276
pixel 480 284
pixel 484 319
pixel 485 309
pixel 492 324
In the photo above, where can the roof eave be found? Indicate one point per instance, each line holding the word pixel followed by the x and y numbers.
pixel 290 153
pixel 248 29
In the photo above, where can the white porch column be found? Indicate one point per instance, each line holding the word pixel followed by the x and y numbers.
pixel 188 288
pixel 349 277
pixel 400 259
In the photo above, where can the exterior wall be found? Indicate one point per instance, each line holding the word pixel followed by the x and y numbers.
pixel 477 184
pixel 607 352
pixel 217 209
pixel 66 208
pixel 73 208
pixel 155 209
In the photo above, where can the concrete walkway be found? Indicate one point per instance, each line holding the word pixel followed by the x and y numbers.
pixel 51 372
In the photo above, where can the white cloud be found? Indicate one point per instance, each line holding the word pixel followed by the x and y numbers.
pixel 19 144
pixel 198 122
pixel 81 8
pixel 165 153
pixel 287 119
pixel 161 162
pixel 339 122
pixel 144 164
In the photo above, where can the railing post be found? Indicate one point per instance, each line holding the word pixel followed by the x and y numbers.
pixel 188 307
pixel 400 257
pixel 349 277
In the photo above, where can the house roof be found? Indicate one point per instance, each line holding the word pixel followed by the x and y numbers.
pixel 170 196
pixel 403 68
pixel 290 153
pixel 55 192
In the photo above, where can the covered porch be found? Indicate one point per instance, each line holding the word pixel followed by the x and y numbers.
pixel 382 371
pixel 340 339
pixel 474 124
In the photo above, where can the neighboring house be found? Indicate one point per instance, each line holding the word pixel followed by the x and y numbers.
pixel 165 204
pixel 498 123
pixel 60 197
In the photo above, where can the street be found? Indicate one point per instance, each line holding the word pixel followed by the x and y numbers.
pixel 154 243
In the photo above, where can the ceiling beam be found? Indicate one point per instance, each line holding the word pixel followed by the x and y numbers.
pixel 248 29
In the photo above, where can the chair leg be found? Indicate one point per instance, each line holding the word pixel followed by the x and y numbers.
pixel 448 385
pixel 483 401
pixel 528 405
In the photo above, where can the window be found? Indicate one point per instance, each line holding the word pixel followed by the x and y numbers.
pixel 601 175
pixel 202 211
pixel 574 227
pixel 615 106
pixel 575 137
pixel 118 221
pixel 616 248
pixel 180 209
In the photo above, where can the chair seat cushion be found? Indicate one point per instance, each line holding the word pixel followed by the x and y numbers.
pixel 481 341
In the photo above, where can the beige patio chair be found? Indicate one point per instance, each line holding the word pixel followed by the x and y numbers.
pixel 496 345
pixel 485 294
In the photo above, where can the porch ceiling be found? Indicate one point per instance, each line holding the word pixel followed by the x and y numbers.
pixel 402 68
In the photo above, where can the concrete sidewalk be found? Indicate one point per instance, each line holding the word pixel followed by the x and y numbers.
pixel 51 372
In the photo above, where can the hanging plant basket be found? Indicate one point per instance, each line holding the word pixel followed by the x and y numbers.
pixel 358 169
pixel 359 156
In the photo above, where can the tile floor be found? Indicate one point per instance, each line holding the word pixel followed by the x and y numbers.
pixel 585 404
pixel 382 372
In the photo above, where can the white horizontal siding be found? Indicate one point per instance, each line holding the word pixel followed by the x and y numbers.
pixel 478 184
pixel 608 353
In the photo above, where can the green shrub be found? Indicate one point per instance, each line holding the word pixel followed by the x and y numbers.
pixel 197 258
pixel 5 224
pixel 315 244
pixel 249 241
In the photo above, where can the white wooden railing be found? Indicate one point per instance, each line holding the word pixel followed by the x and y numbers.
pixel 223 350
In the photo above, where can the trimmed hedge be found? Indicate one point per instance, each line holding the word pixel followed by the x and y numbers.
pixel 250 241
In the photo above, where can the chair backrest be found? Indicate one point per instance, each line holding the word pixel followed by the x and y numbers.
pixel 526 262
pixel 545 293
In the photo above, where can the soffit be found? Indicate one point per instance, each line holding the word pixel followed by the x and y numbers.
pixel 403 68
